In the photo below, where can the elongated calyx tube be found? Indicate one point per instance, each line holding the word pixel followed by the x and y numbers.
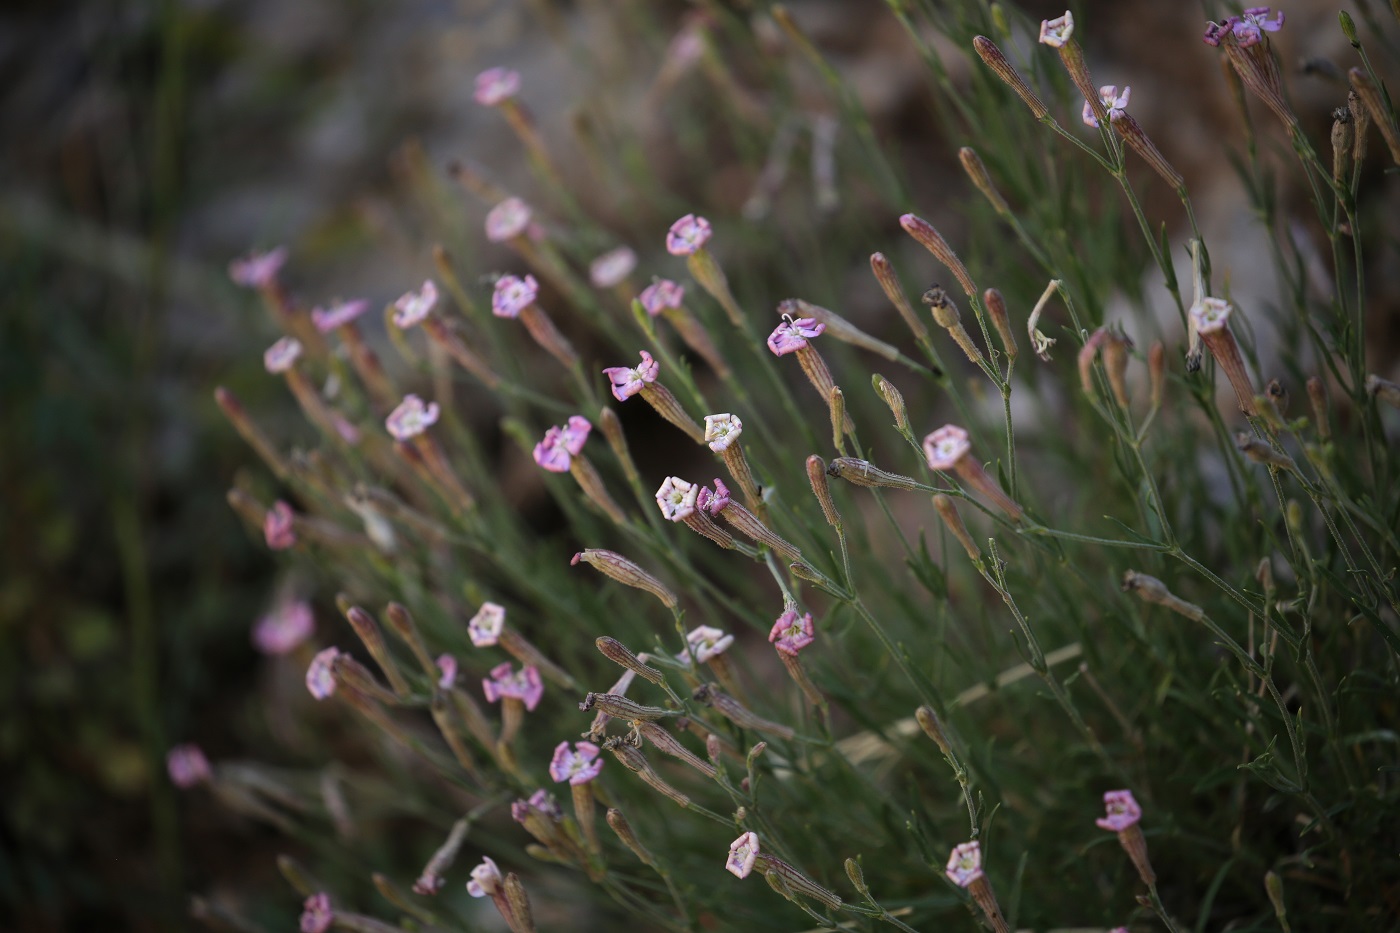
pixel 1152 590
pixel 618 653
pixel 863 473
pixel 626 572
pixel 992 57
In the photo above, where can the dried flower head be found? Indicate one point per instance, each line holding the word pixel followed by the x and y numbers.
pixel 284 628
pixel 945 447
pixel 627 381
pixel 187 766
pixel 513 294
pixel 495 86
pixel 612 267
pixel 707 642
pixel 485 627
pixel 1113 102
pixel 793 334
pixel 676 498
pixel 258 270
pixel 316 914
pixel 722 430
pixel 1056 32
pixel 687 236
pixel 412 307
pixel 578 766
pixel 507 220
pixel 278 528
pixel 660 295
pixel 279 357
pixel 338 315
pixel 486 879
pixel 447 667
pixel 411 418
pixel 965 864
pixel 524 685
pixel 1122 811
pixel 791 633
pixel 742 854
pixel 319 678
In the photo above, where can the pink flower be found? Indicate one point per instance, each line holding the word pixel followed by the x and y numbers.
pixel 284 628
pixel 627 381
pixel 524 685
pixel 660 295
pixel 277 527
pixel 412 307
pixel 791 633
pixel 1217 31
pixel 706 642
pixel 612 267
pixel 513 295
pixel 742 854
pixel 722 430
pixel 485 627
pixel 338 315
pixel 1112 102
pixel 676 498
pixel 319 678
pixel 411 418
pixel 1122 811
pixel 187 766
pixel 965 864
pixel 316 914
pixel 945 447
pixel 1056 32
pixel 258 270
pixel 561 445
pixel 574 433
pixel 1249 29
pixel 543 801
pixel 447 664
pixel 495 86
pixel 1210 314
pixel 507 220
pixel 578 766
pixel 687 236
pixel 281 355
pixel 713 502
pixel 793 334
pixel 486 879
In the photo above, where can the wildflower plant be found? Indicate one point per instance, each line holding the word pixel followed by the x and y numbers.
pixel 1081 588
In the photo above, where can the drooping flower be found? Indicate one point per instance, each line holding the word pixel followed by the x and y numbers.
pixel 687 236
pixel 743 852
pixel 1113 102
pixel 284 628
pixel 1122 811
pixel 486 879
pixel 946 446
pixel 714 502
pixel 707 642
pixel 793 335
pixel 494 86
pixel 507 220
pixel 722 430
pixel 676 498
pixel 187 766
pixel 578 766
pixel 411 418
pixel 316 914
pixel 1056 32
pixel 485 627
pixel 447 664
pixel 560 445
pixel 258 270
pixel 278 529
pixel 660 295
pixel 965 864
pixel 279 357
pixel 319 678
pixel 612 267
pixel 524 685
pixel 513 295
pixel 338 315
pixel 791 633
pixel 412 307
pixel 1249 29
pixel 627 381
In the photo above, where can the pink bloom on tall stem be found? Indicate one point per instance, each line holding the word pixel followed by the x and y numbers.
pixel 743 852
pixel 661 295
pixel 965 864
pixel 447 665
pixel 277 527
pixel 279 357
pixel 485 627
pixel 578 766
pixel 507 220
pixel 1056 32
pixel 791 633
pixel 707 642
pixel 612 267
pixel 793 334
pixel 627 381
pixel 1121 809
pixel 676 498
pixel 945 447
pixel 495 86
pixel 687 236
pixel 486 879
pixel 338 315
pixel 513 295
pixel 316 914
pixel 411 418
pixel 412 307
pixel 524 685
pixel 258 270
pixel 320 681
pixel 187 766
pixel 284 628
pixel 1116 104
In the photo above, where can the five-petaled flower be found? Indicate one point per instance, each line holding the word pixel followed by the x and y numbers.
pixel 1121 809
pixel 791 633
pixel 627 381
pixel 278 529
pixel 677 498
pixel 284 628
pixel 1113 102
pixel 1210 314
pixel 412 307
pixel 742 854
pixel 486 879
pixel 257 270
pixel 495 86
pixel 612 267
pixel 513 295
pixel 316 914
pixel 447 666
pixel 1056 32
pixel 707 642
pixel 507 220
pixel 187 766
pixel 687 236
pixel 320 680
pixel 945 447
pixel 524 685
pixel 660 295
pixel 279 357
pixel 578 766
pixel 485 627
pixel 793 334
pixel 338 315
pixel 561 445
pixel 722 430
pixel 411 418
pixel 965 864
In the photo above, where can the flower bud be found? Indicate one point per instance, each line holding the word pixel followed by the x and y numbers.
pixel 894 399
pixel 864 473
pixel 1317 398
pixel 617 652
pixel 816 475
pixel 626 572
pixel 993 59
pixel 948 511
pixel 930 239
pixel 618 821
pixel 1001 320
pixel 1157 371
pixel 977 172
pixel 1152 590
pixel 933 728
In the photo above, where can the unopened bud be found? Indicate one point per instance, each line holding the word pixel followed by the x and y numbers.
pixel 1157 372
pixel 619 707
pixel 1277 394
pixel 945 315
pixel 894 399
pixel 368 629
pixel 1261 452
pixel 519 903
pixel 816 475
pixel 930 239
pixel 1342 142
pixel 1375 107
pixel 977 172
pixel 948 511
pixel 933 728
pixel 1360 124
pixel 992 57
pixel 836 403
pixel 617 652
pixel 1001 320
pixel 611 427
pixel 618 821
pixel 1137 140
pixel 1152 590
pixel 889 283
pixel 1264 573
pixel 626 572
pixel 857 876
pixel 1273 886
pixel 668 744
pixel 864 473
pixel 728 707
pixel 1317 399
